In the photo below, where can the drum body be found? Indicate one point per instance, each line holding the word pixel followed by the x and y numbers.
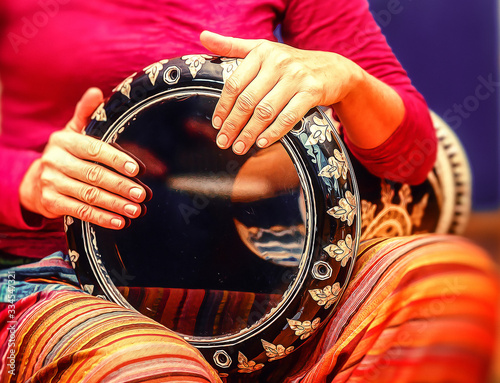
pixel 245 256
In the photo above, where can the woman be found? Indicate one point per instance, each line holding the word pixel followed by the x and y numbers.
pixel 52 51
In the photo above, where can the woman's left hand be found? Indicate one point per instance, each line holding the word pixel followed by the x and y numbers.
pixel 273 88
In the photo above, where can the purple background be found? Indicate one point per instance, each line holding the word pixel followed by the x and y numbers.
pixel 447 48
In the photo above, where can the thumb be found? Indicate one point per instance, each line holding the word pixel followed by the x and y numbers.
pixel 227 46
pixel 90 100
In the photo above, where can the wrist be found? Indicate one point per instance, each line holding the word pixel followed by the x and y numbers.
pixel 28 188
pixel 357 80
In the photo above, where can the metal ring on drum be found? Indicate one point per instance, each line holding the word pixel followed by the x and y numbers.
pixel 246 257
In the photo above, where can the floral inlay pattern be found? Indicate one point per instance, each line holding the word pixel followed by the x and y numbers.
pixel 320 131
pixel 245 366
pixel 99 114
pixel 327 296
pixel 195 62
pixel 88 289
pixel 154 69
pixel 342 251
pixel 346 210
pixel 337 166
pixel 275 352
pixel 124 87
pixel 304 329
pixel 229 66
pixel 68 221
pixel 394 219
pixel 73 257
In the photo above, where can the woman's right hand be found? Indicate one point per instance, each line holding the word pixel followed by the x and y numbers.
pixel 67 181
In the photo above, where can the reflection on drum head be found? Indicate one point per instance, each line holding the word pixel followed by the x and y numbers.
pixel 223 236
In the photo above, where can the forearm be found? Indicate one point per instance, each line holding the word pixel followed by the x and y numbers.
pixel 371 112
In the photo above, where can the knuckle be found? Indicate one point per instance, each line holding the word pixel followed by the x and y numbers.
pixel 264 112
pixel 45 178
pixel 294 68
pixel 223 106
pixel 232 86
pixel 46 199
pixel 247 135
pixel 230 126
pixel 94 148
pixel 114 205
pixel 264 46
pixel 84 212
pixel 287 118
pixel 115 160
pixel 90 195
pixel 101 219
pixel 55 206
pixel 284 59
pixel 55 137
pixel 46 160
pixel 94 174
pixel 245 102
pixel 273 133
pixel 312 86
pixel 122 187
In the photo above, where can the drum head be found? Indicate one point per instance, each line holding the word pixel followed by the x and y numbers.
pixel 244 256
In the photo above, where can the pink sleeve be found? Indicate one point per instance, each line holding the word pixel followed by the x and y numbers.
pixel 13 165
pixel 348 28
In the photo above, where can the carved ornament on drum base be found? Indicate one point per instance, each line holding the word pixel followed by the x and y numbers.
pixel 246 257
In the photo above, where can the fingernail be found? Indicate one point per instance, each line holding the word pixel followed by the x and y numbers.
pixel 222 140
pixel 136 193
pixel 116 222
pixel 217 122
pixel 239 147
pixel 262 142
pixel 130 209
pixel 130 167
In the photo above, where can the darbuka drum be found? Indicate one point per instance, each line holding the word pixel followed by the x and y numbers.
pixel 245 256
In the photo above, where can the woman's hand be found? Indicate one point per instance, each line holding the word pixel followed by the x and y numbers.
pixel 273 88
pixel 67 181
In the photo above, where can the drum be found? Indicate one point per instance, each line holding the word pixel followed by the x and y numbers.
pixel 246 257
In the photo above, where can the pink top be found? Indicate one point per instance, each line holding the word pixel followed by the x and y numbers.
pixel 51 51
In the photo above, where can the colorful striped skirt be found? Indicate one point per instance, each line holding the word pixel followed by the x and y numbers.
pixel 418 309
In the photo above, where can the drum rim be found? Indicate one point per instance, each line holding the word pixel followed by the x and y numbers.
pixel 215 84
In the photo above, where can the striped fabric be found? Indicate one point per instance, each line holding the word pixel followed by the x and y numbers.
pixel 418 309
pixel 196 311
pixel 66 336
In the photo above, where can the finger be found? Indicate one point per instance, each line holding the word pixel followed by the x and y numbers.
pixel 94 174
pixel 264 114
pixel 90 100
pixel 140 163
pixel 244 108
pixel 91 149
pixel 291 114
pixel 233 87
pixel 63 205
pixel 94 196
pixel 227 46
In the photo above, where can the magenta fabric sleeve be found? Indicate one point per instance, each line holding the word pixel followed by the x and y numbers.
pixel 13 165
pixel 348 28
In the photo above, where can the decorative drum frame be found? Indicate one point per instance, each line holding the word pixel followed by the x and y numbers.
pixel 335 218
pixel 332 216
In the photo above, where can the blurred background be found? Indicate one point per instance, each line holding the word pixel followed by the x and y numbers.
pixel 450 50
